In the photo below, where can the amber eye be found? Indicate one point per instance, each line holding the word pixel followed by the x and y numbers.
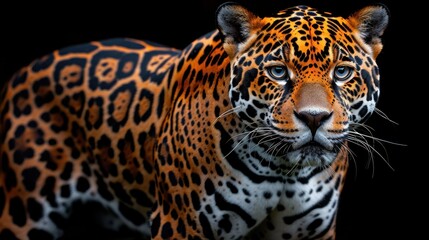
pixel 278 73
pixel 343 73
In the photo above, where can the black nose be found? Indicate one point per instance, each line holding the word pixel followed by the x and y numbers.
pixel 313 119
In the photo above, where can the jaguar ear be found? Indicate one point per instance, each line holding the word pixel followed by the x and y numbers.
pixel 236 24
pixel 371 21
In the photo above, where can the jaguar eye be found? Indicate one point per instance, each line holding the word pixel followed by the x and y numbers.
pixel 343 73
pixel 279 73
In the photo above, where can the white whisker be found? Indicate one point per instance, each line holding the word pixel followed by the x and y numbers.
pixel 360 140
pixel 379 139
pixel 383 115
pixel 226 113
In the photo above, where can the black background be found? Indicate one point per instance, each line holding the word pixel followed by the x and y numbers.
pixel 378 202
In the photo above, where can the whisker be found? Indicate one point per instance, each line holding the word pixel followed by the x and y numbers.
pixel 226 113
pixel 289 173
pixel 352 156
pixel 360 141
pixel 384 115
pixel 241 140
pixel 379 139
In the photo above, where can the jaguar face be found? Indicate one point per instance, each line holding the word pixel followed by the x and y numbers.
pixel 301 80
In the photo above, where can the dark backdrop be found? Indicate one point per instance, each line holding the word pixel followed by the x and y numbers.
pixel 380 199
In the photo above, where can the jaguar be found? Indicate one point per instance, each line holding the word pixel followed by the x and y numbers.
pixel 243 134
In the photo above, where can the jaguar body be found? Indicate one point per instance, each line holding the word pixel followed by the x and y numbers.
pixel 241 135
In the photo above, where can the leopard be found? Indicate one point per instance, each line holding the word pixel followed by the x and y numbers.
pixel 243 134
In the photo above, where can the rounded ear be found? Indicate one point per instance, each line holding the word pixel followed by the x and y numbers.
pixel 371 21
pixel 235 23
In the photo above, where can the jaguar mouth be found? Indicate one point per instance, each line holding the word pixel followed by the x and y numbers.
pixel 312 153
pixel 313 148
pixel 312 144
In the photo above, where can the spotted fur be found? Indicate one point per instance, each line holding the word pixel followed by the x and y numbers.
pixel 243 134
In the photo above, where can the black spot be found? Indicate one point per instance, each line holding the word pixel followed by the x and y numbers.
pixel 10 180
pixel 17 211
pixel 141 197
pixel 7 123
pixel 172 178
pixel 132 215
pixel 207 231
pixel 102 188
pixel 267 195
pixel 86 169
pixel 7 235
pixel 225 223
pixel 21 103
pixel 75 103
pixel 45 95
pixel 369 84
pixel 125 145
pixel 2 200
pixel 120 192
pixel 66 174
pixel 314 224
pixel 181 228
pixel 219 170
pixel 127 175
pixel 48 191
pixel 193 53
pixel 30 178
pixel 19 78
pixel 37 234
pixel 338 182
pixel 196 178
pixel 363 112
pixel 160 104
pixel 156 222
pixel 195 200
pixel 231 187
pixel 69 142
pixel 57 219
pixel 19 131
pixel 209 187
pixel 259 104
pixel 65 191
pixel 42 63
pixel 113 170
pixel 82 184
pixel 20 155
pixel 167 231
pixel 357 105
pixel 81 48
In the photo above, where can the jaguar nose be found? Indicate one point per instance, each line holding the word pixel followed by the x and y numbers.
pixel 313 119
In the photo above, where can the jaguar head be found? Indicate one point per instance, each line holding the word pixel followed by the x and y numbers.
pixel 302 79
